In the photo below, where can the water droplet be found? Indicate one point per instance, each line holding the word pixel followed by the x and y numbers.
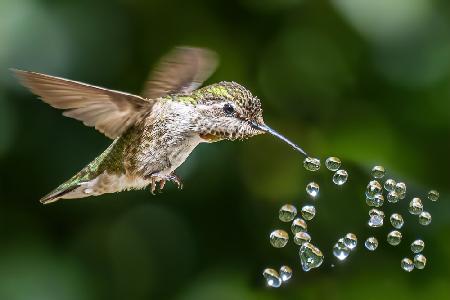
pixel 340 177
pixel 88 191
pixel 394 237
pixel 425 218
pixel 415 206
pixel 392 197
pixel 376 201
pixel 340 250
pixel 272 277
pixel 417 246
pixel 376 218
pixel 350 240
pixel 285 273
pixel 373 188
pixel 311 164
pixel 371 243
pixel 279 238
pixel 389 185
pixel 400 188
pixel 378 172
pixel 333 163
pixel 407 264
pixel 420 261
pixel 308 212
pixel 302 237
pixel 401 196
pixel 397 221
pixel 287 213
pixel 433 195
pixel 310 256
pixel 312 189
pixel 298 225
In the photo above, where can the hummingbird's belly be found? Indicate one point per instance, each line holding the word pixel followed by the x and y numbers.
pixel 180 153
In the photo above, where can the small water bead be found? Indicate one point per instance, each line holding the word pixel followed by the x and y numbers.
pixel 373 188
pixel 333 163
pixel 279 238
pixel 394 237
pixel 375 201
pixel 311 164
pixel 302 237
pixel 308 212
pixel 401 196
pixel 350 240
pixel 397 221
pixel 310 256
pixel 417 246
pixel 433 195
pixel 285 273
pixel 389 185
pixel 298 225
pixel 415 206
pixel 287 213
pixel 400 188
pixel 420 261
pixel 393 197
pixel 272 277
pixel 312 189
pixel 425 218
pixel 371 243
pixel 376 218
pixel 407 264
pixel 340 177
pixel 340 250
pixel 378 172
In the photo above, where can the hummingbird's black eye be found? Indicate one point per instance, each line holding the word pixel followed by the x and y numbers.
pixel 228 109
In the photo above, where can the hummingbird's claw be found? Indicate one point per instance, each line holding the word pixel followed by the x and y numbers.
pixel 155 178
pixel 175 178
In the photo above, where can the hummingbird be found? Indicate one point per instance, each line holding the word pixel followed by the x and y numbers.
pixel 153 133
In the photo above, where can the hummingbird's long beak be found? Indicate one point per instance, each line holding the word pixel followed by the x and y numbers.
pixel 265 128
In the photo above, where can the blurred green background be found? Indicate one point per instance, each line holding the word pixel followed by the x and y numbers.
pixel 367 81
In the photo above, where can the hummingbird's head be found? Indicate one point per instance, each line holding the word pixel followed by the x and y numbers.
pixel 227 110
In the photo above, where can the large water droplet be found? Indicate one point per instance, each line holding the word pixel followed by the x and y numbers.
pixel 415 206
pixel 287 213
pixel 417 246
pixel 397 221
pixel 310 256
pixel 272 277
pixel 420 261
pixel 308 212
pixel 285 273
pixel 279 238
pixel 301 237
pixel 340 177
pixel 333 163
pixel 407 264
pixel 340 250
pixel 298 225
pixel 389 185
pixel 433 195
pixel 311 164
pixel 425 218
pixel 350 240
pixel 394 237
pixel 371 243
pixel 376 218
pixel 312 189
pixel 373 188
pixel 378 172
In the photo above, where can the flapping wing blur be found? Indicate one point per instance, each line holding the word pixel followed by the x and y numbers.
pixel 181 71
pixel 110 112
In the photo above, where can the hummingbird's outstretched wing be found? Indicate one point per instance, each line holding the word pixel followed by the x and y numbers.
pixel 181 71
pixel 110 112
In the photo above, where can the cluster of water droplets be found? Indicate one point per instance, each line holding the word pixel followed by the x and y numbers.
pixel 377 194
pixel 393 192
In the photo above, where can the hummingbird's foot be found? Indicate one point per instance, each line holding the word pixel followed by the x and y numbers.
pixel 161 179
pixel 176 179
